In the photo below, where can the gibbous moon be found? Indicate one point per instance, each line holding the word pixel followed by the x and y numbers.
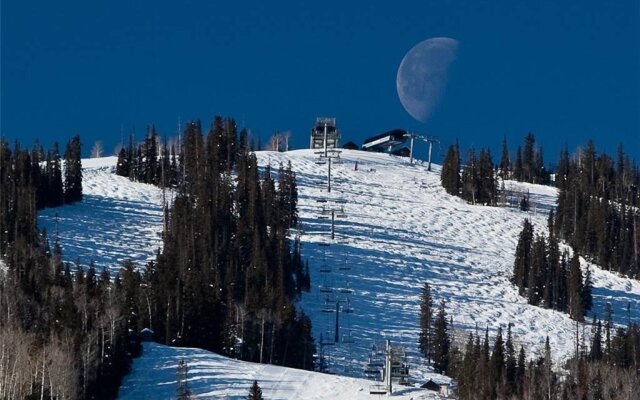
pixel 422 75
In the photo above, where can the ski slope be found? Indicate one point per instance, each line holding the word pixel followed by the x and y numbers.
pixel 116 220
pixel 401 230
pixel 398 230
pixel 212 376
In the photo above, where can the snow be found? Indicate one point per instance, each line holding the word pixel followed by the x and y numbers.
pixel 211 376
pixel 400 229
pixel 117 219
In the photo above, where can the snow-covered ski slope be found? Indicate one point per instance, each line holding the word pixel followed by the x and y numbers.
pixel 211 376
pixel 116 220
pixel 399 230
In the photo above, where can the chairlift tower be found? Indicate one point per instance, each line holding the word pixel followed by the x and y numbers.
pixel 430 140
pixel 328 156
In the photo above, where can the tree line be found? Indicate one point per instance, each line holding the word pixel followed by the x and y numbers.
pixel 229 272
pixel 547 278
pixel 473 180
pixel 598 208
pixel 606 367
pixel 64 333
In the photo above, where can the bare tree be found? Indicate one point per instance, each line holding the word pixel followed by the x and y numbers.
pixel 97 150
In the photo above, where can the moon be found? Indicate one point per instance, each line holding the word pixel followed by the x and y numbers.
pixel 423 74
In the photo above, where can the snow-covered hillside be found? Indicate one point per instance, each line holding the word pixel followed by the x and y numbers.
pixel 399 229
pixel 116 220
pixel 215 377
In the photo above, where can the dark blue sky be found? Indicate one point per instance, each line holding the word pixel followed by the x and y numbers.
pixel 564 70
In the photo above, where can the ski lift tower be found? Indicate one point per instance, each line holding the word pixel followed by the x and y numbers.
pixel 324 134
pixel 427 139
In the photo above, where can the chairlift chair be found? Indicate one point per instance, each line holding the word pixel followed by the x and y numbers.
pixel 325 289
pixel 378 389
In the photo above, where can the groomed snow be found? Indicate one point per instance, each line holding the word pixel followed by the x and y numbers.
pixel 211 376
pixel 399 230
pixel 116 220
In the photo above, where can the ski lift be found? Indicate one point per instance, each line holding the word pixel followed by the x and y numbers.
pixel 346 338
pixel 325 289
pixel 378 389
pixel 347 309
pixel 346 290
pixel 325 269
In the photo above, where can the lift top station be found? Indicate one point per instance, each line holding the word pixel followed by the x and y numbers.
pixel 324 134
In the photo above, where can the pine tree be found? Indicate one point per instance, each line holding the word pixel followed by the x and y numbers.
pixel 505 163
pixel 510 364
pixel 586 296
pixel 575 289
pixel 255 393
pixel 471 178
pixel 522 263
pixel 528 158
pixel 518 172
pixel 595 353
pixel 441 341
pixel 450 175
pixel 73 171
pixel 122 166
pixel 426 317
pixel 497 362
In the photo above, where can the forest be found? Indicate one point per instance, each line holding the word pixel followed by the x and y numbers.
pixel 485 367
pixel 226 280
pixel 230 269
pixel 65 331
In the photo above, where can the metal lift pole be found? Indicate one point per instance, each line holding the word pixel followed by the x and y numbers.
pixel 411 151
pixel 387 365
pixel 325 139
pixel 430 144
pixel 333 220
pixel 337 335
pixel 329 166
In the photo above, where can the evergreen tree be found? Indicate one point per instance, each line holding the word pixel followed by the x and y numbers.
pixel 426 317
pixel 73 171
pixel 522 261
pixel 122 166
pixel 497 363
pixel 255 393
pixel 586 296
pixel 471 178
pixel 528 158
pixel 595 353
pixel 518 169
pixel 441 341
pixel 510 365
pixel 505 163
pixel 575 289
pixel 450 175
